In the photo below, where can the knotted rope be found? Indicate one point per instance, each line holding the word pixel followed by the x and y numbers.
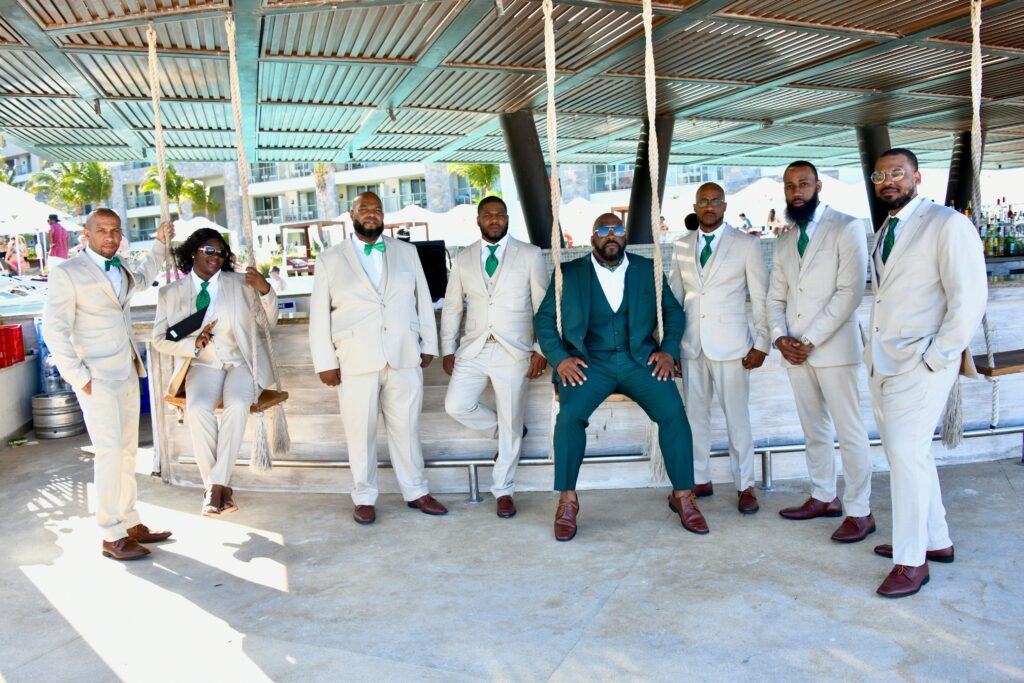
pixel 261 459
pixel 552 135
pixel 158 143
pixel 653 161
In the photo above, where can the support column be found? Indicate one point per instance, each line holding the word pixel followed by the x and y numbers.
pixel 961 172
pixel 638 221
pixel 531 175
pixel 872 141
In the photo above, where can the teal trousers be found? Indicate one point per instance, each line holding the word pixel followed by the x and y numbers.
pixel 611 373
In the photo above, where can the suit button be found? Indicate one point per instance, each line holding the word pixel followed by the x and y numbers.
pixel 799 315
pixel 702 315
pixel 876 329
pixel 879 301
pixel 800 289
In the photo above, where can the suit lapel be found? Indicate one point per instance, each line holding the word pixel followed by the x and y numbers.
pixel 473 254
pixel 94 272
pixel 904 238
pixel 819 236
pixel 506 259
pixel 690 254
pixel 585 284
pixel 632 293
pixel 348 254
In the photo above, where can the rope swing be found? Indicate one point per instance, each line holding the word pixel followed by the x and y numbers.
pixel 261 459
pixel 658 472
pixel 953 416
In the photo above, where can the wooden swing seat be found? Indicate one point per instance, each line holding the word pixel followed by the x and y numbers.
pixel 268 399
pixel 1005 363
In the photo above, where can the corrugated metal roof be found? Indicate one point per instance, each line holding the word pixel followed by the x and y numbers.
pixel 407 80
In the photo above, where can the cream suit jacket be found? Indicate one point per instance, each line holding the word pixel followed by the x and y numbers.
pixel 355 327
pixel 816 297
pixel 177 301
pixel 88 326
pixel 715 300
pixel 504 308
pixel 931 294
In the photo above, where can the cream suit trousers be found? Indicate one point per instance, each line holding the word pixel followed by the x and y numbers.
pixel 702 379
pixel 907 409
pixel 111 415
pixel 216 449
pixel 398 394
pixel 820 391
pixel 462 402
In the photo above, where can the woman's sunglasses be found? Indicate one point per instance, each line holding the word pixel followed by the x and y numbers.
pixel 214 251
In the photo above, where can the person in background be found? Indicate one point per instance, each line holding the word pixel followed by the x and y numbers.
pixel 276 280
pixel 747 226
pixel 17 254
pixel 774 223
pixel 58 237
pixel 663 235
pixel 124 249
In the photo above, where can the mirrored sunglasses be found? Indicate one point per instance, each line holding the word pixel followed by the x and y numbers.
pixel 605 230
pixel 214 251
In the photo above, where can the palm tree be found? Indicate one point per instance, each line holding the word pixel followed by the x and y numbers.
pixel 73 184
pixel 201 197
pixel 175 189
pixel 5 171
pixel 93 182
pixel 320 174
pixel 482 177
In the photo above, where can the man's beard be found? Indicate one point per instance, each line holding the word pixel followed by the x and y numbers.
pixel 898 202
pixel 367 232
pixel 604 251
pixel 802 214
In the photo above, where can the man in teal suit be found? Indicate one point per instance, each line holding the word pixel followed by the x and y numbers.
pixel 607 346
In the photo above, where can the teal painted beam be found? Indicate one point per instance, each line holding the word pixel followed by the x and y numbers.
pixel 32 147
pixel 248 36
pixel 483 130
pixel 34 36
pixel 136 20
pixel 468 19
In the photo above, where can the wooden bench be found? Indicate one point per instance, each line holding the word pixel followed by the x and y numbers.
pixel 1005 363
pixel 268 399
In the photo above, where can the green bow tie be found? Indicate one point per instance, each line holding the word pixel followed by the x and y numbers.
pixel 376 246
pixel 116 262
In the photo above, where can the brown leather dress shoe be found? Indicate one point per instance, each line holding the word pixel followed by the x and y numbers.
pixel 227 500
pixel 140 533
pixel 944 555
pixel 811 508
pixel 565 520
pixel 364 514
pixel 748 501
pixel 855 529
pixel 689 514
pixel 124 549
pixel 903 581
pixel 506 508
pixel 212 501
pixel 703 490
pixel 428 505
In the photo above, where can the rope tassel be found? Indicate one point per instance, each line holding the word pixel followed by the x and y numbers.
pixel 260 461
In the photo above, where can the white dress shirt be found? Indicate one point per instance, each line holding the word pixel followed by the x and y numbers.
pixel 902 215
pixel 812 224
pixel 613 282
pixel 372 263
pixel 498 253
pixel 222 351
pixel 114 274
pixel 716 234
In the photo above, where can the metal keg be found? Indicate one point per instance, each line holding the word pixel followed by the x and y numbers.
pixel 57 415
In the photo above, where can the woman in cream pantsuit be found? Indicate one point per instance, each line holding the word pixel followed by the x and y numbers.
pixel 220 354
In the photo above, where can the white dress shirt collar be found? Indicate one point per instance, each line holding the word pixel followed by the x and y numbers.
pixel 499 253
pixel 716 234
pixel 113 275
pixel 613 282
pixel 372 263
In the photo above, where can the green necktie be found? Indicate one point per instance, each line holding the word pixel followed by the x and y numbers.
pixel 376 246
pixel 116 262
pixel 890 238
pixel 491 264
pixel 705 253
pixel 801 243
pixel 203 300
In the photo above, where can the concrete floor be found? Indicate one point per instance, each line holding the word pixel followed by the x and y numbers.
pixel 289 588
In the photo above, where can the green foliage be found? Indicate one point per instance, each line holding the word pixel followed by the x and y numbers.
pixel 175 184
pixel 6 172
pixel 73 184
pixel 480 176
pixel 201 197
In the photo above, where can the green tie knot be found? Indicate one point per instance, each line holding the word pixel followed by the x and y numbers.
pixel 115 262
pixel 376 246
pixel 203 300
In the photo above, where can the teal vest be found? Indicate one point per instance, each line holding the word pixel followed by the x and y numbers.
pixel 607 330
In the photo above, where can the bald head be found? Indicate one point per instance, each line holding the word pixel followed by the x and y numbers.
pixel 607 219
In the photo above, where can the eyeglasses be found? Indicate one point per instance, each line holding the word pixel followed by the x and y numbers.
pixel 897 174
pixel 214 251
pixel 705 203
pixel 605 230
